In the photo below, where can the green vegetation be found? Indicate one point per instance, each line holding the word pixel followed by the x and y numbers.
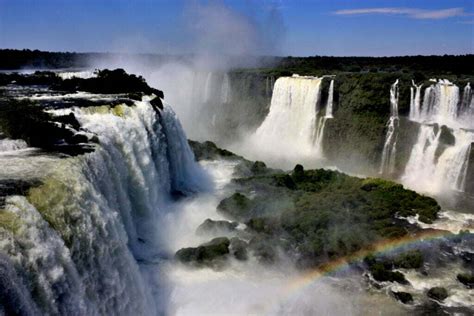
pixel 409 260
pixel 9 221
pixel 325 214
pixel 209 151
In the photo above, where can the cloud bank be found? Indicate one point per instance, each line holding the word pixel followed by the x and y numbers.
pixel 409 12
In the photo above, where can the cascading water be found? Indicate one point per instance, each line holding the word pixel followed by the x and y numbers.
pixel 82 242
pixel 329 115
pixel 390 147
pixel 433 165
pixel 225 89
pixel 291 125
pixel 415 101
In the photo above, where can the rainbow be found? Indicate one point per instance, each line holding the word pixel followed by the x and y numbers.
pixel 380 247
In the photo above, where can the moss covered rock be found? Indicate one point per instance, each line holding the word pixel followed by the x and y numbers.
pixel 210 226
pixel 206 254
pixel 236 207
pixel 467 279
pixel 437 293
pixel 403 297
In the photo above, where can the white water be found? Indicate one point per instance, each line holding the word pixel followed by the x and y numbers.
pixel 249 288
pixel 77 74
pixel 291 126
pixel 87 248
pixel 7 145
pixel 390 147
pixel 415 101
pixel 433 166
pixel 225 89
pixel 322 121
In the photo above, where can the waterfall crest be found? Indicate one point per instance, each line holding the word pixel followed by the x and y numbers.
pixel 390 146
pixel 435 165
pixel 291 125
pixel 77 242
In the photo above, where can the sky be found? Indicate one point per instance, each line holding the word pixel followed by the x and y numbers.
pixel 257 27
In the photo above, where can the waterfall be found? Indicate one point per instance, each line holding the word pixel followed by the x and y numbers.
pixel 322 121
pixel 467 100
pixel 390 146
pixel 225 89
pixel 434 166
pixel 208 87
pixel 291 124
pixel 76 244
pixel 415 101
pixel 329 105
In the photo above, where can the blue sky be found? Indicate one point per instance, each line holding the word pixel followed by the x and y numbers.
pixel 277 27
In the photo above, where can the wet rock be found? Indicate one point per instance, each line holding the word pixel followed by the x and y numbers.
pixel 238 249
pixel 403 297
pixel 467 279
pixel 205 254
pixel 237 207
pixel 209 151
pixel 437 293
pixel 210 226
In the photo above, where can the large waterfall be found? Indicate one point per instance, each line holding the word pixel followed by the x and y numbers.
pixel 390 146
pixel 83 242
pixel 436 164
pixel 291 125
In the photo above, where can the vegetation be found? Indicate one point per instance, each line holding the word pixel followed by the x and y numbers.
pixel 325 214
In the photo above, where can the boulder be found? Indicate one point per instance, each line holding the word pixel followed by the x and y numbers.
pixel 210 226
pixel 437 293
pixel 403 297
pixel 206 254
pixel 467 279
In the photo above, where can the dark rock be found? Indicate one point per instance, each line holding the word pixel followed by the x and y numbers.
pixel 206 254
pixel 210 226
pixel 382 274
pixel 403 297
pixel 467 279
pixel 437 293
pixel 209 151
pixel 69 119
pixel 236 207
pixel 238 248
pixel 109 82
pixel 262 249
pixel 258 167
pixel 446 137
pixel 15 187
pixel 157 104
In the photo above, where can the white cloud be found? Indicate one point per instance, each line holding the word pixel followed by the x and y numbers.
pixel 409 12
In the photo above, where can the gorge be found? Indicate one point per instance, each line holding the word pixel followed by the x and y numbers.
pixel 107 208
